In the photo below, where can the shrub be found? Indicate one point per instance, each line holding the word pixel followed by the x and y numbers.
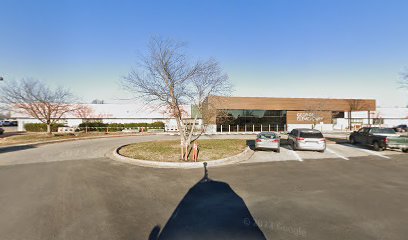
pixel 94 126
pixel 113 127
pixel 157 125
pixel 41 127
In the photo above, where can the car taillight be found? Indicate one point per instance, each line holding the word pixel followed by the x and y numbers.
pixel 258 140
pixel 300 139
pixel 322 140
pixel 386 140
pixel 276 140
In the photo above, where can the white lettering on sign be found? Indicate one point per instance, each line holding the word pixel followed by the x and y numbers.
pixel 308 117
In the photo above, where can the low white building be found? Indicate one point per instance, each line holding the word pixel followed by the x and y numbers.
pixel 112 113
pixel 384 117
pixel 135 113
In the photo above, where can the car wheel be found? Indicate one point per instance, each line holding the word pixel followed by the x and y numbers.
pixel 321 151
pixel 405 150
pixel 377 147
pixel 352 140
pixel 293 146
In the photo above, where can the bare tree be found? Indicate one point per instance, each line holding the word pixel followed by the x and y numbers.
pixel 97 101
pixel 354 105
pixel 5 114
pixel 85 112
pixel 316 113
pixel 403 82
pixel 34 98
pixel 166 78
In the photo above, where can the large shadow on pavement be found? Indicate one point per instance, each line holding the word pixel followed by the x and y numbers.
pixel 15 148
pixel 250 144
pixel 337 140
pixel 209 210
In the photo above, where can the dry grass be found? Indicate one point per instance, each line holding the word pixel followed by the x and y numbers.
pixel 27 138
pixel 169 151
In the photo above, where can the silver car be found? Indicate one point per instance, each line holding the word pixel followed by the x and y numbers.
pixel 307 139
pixel 268 140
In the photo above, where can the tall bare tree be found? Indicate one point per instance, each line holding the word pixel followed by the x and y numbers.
pixel 404 79
pixel 354 105
pixel 317 112
pixel 167 78
pixel 98 101
pixel 87 113
pixel 34 98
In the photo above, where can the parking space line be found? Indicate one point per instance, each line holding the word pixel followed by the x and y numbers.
pixel 295 154
pixel 338 155
pixel 368 151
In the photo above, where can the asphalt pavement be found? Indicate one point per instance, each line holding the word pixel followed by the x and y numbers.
pixel 71 191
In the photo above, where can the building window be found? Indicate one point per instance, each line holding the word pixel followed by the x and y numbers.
pixel 338 114
pixel 251 120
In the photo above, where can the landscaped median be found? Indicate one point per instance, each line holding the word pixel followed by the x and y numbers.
pixel 166 154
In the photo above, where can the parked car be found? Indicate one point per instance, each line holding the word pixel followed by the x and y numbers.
pixel 1 131
pixel 307 139
pixel 268 140
pixel 401 128
pixel 5 123
pixel 379 138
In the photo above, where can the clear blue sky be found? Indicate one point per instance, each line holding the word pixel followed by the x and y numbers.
pixel 337 49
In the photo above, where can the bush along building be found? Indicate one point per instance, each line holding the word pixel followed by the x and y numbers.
pixel 114 116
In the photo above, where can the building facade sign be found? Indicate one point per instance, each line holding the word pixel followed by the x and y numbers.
pixel 307 117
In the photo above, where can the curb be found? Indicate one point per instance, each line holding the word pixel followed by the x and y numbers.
pixel 114 155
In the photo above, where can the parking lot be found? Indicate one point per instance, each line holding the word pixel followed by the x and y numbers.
pixel 70 190
pixel 343 151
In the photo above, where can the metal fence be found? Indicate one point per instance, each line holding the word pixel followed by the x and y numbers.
pixel 251 128
pixel 119 129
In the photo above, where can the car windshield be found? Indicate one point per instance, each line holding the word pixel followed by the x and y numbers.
pixel 383 131
pixel 310 134
pixel 267 136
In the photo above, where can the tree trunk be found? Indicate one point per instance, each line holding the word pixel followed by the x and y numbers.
pixel 48 128
pixel 182 137
pixel 186 152
pixel 181 148
pixel 188 140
